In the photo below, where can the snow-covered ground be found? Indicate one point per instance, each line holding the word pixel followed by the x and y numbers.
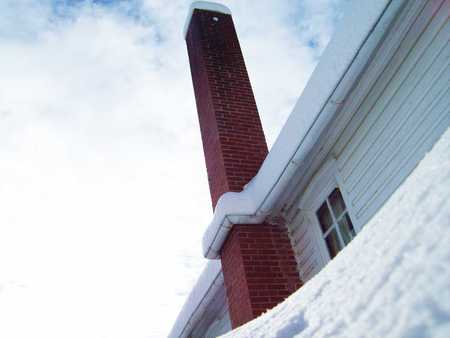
pixel 393 279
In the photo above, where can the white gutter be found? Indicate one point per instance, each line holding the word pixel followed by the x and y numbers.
pixel 358 33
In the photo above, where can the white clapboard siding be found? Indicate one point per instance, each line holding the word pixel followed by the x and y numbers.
pixel 402 116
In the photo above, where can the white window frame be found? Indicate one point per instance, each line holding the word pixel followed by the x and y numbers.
pixel 320 187
pixel 334 221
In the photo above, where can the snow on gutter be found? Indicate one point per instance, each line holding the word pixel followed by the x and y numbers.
pixel 205 289
pixel 358 33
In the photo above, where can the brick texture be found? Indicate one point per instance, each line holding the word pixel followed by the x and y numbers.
pixel 259 269
pixel 233 139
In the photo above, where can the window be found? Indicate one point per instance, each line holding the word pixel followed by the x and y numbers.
pixel 334 220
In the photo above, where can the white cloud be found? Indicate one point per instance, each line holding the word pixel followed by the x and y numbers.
pixel 103 196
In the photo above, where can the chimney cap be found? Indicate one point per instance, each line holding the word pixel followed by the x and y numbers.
pixel 206 6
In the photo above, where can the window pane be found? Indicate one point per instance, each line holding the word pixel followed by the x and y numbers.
pixel 337 202
pixel 332 241
pixel 346 229
pixel 324 216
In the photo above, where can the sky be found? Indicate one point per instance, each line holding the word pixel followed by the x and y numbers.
pixel 103 190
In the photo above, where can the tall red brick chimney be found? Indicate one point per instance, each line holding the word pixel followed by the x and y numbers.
pixel 233 138
pixel 257 260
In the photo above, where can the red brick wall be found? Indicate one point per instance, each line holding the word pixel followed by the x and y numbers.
pixel 259 269
pixel 233 139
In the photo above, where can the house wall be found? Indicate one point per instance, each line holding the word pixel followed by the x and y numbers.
pixel 401 118
pixel 396 117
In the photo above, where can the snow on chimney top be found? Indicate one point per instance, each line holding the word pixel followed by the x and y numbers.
pixel 207 6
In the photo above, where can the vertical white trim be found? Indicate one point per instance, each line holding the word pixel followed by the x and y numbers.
pixel 357 225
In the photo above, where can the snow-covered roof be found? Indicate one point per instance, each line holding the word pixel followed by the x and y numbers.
pixel 200 296
pixel 205 5
pixel 392 280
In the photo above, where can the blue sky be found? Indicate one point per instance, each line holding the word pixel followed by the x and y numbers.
pixel 104 193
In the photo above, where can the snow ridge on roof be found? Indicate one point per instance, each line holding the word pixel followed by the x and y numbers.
pixel 207 6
